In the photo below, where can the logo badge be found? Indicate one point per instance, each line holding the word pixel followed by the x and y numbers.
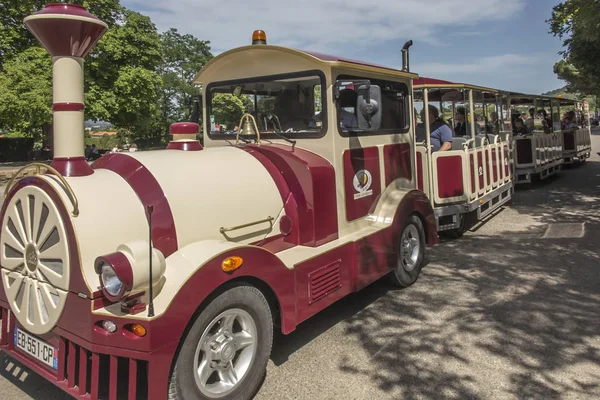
pixel 362 182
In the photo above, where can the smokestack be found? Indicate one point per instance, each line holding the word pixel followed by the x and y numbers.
pixel 184 136
pixel 405 56
pixel 68 32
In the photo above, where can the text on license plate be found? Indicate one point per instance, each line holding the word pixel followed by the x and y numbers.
pixel 36 348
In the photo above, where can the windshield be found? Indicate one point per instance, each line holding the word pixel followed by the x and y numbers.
pixel 287 105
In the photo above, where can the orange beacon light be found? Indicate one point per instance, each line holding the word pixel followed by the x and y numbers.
pixel 259 37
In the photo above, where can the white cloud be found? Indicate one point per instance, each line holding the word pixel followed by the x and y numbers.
pixel 475 65
pixel 322 25
pixel 528 73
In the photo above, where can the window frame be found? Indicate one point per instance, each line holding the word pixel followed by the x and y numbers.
pixel 379 132
pixel 268 78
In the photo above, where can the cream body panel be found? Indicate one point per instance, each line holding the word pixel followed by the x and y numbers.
pixel 214 188
pixel 67 80
pixel 110 214
pixel 68 134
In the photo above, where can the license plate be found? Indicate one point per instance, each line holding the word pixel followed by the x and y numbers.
pixel 37 349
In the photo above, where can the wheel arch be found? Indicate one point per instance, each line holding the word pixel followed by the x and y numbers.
pixel 261 285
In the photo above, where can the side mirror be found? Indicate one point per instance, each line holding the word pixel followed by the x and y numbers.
pixel 368 106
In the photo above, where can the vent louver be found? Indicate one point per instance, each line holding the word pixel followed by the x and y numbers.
pixel 324 281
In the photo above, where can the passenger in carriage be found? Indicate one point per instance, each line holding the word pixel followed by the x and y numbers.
pixel 530 122
pixel 570 120
pixel 463 128
pixel 546 121
pixel 493 126
pixel 440 132
pixel 520 128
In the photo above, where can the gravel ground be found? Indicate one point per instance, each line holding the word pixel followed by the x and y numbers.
pixel 509 311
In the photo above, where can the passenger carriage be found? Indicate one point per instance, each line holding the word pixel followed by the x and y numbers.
pixel 577 145
pixel 473 178
pixel 163 274
pixel 539 152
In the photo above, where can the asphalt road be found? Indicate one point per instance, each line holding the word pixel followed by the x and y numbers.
pixel 509 311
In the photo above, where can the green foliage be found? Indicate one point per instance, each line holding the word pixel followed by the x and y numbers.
pixel 122 79
pixel 227 109
pixel 136 79
pixel 26 87
pixel 183 57
pixel 576 21
pixel 14 36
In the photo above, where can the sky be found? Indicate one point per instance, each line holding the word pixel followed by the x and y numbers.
pixel 503 44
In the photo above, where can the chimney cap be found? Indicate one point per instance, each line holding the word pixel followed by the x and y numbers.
pixel 66 30
pixel 184 128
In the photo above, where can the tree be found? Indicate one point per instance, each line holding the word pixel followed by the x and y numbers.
pixel 227 109
pixel 26 87
pixel 576 22
pixel 122 74
pixel 121 79
pixel 14 36
pixel 183 57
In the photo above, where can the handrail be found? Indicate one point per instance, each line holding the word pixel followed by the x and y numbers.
pixel 235 228
pixel 61 178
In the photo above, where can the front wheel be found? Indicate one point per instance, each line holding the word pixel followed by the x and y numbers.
pixel 225 354
pixel 410 254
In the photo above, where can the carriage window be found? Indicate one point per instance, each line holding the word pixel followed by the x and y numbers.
pixel 291 105
pixel 395 107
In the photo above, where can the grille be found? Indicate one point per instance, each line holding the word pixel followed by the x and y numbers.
pixel 86 374
pixel 324 281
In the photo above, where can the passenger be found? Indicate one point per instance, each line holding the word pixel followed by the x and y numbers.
pixel 546 121
pixel 440 133
pixel 520 129
pixel 530 122
pixel 573 118
pixel 492 126
pixel 462 127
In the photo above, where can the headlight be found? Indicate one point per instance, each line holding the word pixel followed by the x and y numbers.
pixel 124 273
pixel 115 275
pixel 110 281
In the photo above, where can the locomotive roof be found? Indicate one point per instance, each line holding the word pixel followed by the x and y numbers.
pixel 319 58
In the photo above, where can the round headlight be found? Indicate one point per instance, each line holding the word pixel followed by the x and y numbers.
pixel 111 282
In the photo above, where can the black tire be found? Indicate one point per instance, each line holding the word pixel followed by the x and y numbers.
pixel 401 276
pixel 458 232
pixel 182 383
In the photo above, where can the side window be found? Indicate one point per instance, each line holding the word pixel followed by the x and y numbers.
pixel 393 108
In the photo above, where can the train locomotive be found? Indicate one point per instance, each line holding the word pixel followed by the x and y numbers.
pixel 163 274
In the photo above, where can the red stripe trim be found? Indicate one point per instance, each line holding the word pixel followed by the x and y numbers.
pixel 72 166
pixel 68 107
pixel 148 190
pixel 184 128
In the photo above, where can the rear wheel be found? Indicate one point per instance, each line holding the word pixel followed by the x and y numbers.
pixel 410 254
pixel 225 354
pixel 458 232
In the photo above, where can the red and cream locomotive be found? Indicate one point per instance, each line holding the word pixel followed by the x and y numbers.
pixel 163 274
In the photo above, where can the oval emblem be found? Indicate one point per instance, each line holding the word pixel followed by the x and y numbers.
pixel 362 183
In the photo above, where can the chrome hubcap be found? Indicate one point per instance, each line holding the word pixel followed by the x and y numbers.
pixel 409 248
pixel 225 353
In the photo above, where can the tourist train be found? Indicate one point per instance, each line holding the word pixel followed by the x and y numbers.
pixel 164 274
